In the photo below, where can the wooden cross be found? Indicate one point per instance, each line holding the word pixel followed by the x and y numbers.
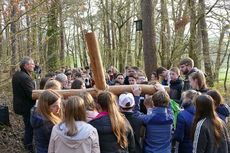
pixel 97 68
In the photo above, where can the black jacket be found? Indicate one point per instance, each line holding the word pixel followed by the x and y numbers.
pixel 107 139
pixel 204 139
pixel 176 89
pixel 186 80
pixel 22 85
pixel 136 124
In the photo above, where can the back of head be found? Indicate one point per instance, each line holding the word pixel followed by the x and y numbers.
pixel 43 82
pixel 216 96
pixel 53 84
pixel 60 77
pixel 205 109
pixel 126 101
pixel 47 98
pixel 78 74
pixel 74 111
pixel 107 102
pixel 190 94
pixel 161 99
pixel 50 75
pixel 88 100
pixel 204 106
pixel 149 102
pixel 77 84
pixel 187 62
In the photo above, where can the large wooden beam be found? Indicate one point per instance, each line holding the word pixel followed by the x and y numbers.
pixel 99 76
pixel 95 60
pixel 117 90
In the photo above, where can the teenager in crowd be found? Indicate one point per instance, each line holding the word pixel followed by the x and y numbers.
pixel 222 109
pixel 176 85
pixel 198 82
pixel 74 135
pixel 91 110
pixel 209 133
pixel 163 72
pixel 47 114
pixel 78 84
pixel 184 122
pixel 126 105
pixel 115 132
pixel 158 124
pixel 187 67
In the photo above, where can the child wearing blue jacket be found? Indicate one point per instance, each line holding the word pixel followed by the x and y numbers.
pixel 184 122
pixel 158 124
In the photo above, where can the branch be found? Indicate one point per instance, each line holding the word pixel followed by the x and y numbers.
pixel 20 16
pixel 206 12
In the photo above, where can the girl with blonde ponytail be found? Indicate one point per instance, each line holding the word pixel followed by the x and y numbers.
pixel 74 135
pixel 115 132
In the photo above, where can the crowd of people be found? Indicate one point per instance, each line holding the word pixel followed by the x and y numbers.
pixel 189 118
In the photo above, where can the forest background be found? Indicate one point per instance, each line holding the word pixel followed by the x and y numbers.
pixel 53 32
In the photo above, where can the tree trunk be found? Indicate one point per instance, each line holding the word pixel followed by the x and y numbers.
pixel 108 34
pixel 207 60
pixel 128 37
pixel 1 40
pixel 62 30
pixel 226 73
pixel 13 29
pixel 28 30
pixel 121 51
pixel 192 39
pixel 149 37
pixel 219 53
pixel 79 47
pixel 164 36
pixel 113 57
pixel 199 46
pixel 52 34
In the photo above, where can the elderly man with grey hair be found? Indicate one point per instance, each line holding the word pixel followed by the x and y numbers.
pixel 62 78
pixel 23 85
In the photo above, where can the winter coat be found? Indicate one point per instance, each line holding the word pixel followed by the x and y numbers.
pixel 204 138
pixel 136 124
pixel 223 112
pixel 158 128
pixel 22 85
pixel 85 141
pixel 186 80
pixel 42 130
pixel 176 89
pixel 108 140
pixel 183 128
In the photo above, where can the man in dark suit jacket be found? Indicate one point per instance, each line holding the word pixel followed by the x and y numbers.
pixel 23 85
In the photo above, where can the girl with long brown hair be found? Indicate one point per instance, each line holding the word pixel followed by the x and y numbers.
pixel 115 132
pixel 91 110
pixel 209 133
pixel 74 134
pixel 222 109
pixel 43 117
pixel 197 81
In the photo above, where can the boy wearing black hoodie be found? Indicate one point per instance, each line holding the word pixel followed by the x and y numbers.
pixel 176 85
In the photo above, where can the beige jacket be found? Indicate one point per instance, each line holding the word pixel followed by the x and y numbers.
pixel 86 141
